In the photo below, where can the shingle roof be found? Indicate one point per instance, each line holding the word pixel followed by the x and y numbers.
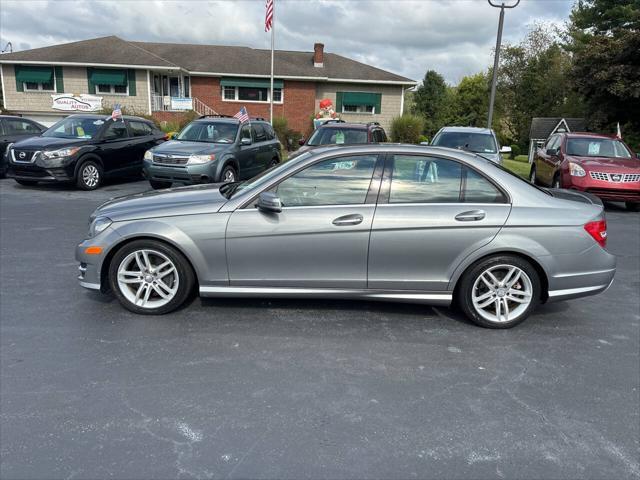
pixel 542 127
pixel 231 60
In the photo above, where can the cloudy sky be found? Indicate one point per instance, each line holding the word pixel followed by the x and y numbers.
pixel 454 37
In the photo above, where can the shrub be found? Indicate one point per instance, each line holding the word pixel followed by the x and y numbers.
pixel 423 138
pixel 281 126
pixel 406 128
pixel 515 151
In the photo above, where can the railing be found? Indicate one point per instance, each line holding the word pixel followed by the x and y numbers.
pixel 202 108
pixel 161 103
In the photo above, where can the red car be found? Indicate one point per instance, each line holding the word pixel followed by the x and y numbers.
pixel 598 164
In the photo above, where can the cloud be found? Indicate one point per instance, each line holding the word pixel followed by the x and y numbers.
pixel 454 37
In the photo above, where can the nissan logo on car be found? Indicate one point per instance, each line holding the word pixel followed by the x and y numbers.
pixel 616 177
pixel 22 155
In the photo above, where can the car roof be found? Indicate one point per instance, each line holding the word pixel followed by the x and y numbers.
pixel 353 125
pixel 588 135
pixel 395 147
pixel 98 116
pixel 467 130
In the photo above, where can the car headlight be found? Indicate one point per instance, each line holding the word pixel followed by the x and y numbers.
pixel 576 170
pixel 200 159
pixel 61 153
pixel 98 225
pixel 148 155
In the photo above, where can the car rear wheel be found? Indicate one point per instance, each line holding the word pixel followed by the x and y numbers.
pixel 89 175
pixel 633 206
pixel 532 175
pixel 499 292
pixel 556 182
pixel 157 185
pixel 228 174
pixel 150 277
pixel 273 163
pixel 26 183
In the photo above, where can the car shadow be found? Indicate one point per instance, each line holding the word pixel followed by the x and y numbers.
pixel 109 185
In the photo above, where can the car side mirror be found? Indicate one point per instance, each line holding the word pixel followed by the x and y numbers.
pixel 245 141
pixel 638 154
pixel 301 141
pixel 269 202
pixel 552 151
pixel 505 149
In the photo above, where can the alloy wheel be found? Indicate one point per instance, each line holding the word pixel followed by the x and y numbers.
pixel 148 278
pixel 229 176
pixel 90 176
pixel 502 293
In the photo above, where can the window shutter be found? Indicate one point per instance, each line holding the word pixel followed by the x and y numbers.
pixel 91 86
pixel 339 102
pixel 131 73
pixel 378 103
pixel 19 84
pixel 59 80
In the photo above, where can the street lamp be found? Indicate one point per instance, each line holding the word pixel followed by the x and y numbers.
pixel 496 58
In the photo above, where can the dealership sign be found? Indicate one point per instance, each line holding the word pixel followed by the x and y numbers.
pixel 76 103
pixel 179 103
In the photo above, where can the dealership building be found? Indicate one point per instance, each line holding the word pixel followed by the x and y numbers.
pixel 167 79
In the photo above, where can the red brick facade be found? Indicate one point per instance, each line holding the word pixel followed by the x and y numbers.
pixel 298 105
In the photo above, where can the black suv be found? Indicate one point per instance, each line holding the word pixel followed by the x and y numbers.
pixel 14 129
pixel 338 132
pixel 84 149
pixel 213 149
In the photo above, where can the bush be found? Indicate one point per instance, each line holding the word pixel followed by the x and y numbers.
pixel 423 138
pixel 281 126
pixel 406 128
pixel 515 151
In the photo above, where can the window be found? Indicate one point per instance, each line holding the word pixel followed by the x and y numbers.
pixel 358 109
pixel 478 189
pixel 112 89
pixel 246 132
pixel 339 181
pixel 337 136
pixel 359 102
pixel 257 131
pixel 474 142
pixel 19 127
pixel 421 179
pixel 251 94
pixel 597 147
pixel 116 131
pixel 39 87
pixel 553 142
pixel 30 78
pixel 269 132
pixel 379 136
pixel 210 132
pixel 74 127
pixel 140 129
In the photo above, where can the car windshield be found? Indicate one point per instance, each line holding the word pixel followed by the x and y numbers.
pixel 230 190
pixel 474 142
pixel 597 147
pixel 337 136
pixel 209 132
pixel 71 127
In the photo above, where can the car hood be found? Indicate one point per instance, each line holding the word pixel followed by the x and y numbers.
pixel 191 200
pixel 609 164
pixel 49 143
pixel 181 147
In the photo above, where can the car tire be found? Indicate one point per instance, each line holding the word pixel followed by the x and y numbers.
pixel 533 178
pixel 274 162
pixel 157 185
pixel 89 176
pixel 26 183
pixel 152 292
pixel 484 303
pixel 556 181
pixel 632 206
pixel 228 174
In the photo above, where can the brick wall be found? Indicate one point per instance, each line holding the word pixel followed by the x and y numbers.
pixel 75 82
pixel 298 105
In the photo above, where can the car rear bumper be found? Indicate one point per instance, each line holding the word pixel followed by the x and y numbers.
pixel 188 174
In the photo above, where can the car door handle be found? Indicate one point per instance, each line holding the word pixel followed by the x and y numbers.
pixel 471 216
pixel 345 220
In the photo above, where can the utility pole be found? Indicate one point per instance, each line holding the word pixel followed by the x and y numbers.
pixel 496 59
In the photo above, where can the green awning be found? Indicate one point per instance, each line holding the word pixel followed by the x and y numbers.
pixel 34 74
pixel 360 98
pixel 250 82
pixel 108 77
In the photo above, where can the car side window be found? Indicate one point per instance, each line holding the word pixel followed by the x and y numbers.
pixel 422 179
pixel 478 189
pixel 553 142
pixel 140 129
pixel 115 131
pixel 268 130
pixel 338 181
pixel 258 132
pixel 14 126
pixel 245 132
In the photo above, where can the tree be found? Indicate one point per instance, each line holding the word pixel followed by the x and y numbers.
pixel 429 102
pixel 470 101
pixel 604 37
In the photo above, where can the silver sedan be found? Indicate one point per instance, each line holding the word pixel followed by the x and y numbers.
pixel 383 222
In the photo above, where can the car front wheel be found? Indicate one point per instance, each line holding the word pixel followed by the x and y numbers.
pixel 499 292
pixel 150 277
pixel 228 174
pixel 89 175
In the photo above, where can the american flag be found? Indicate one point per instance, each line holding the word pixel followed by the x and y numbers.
pixel 117 112
pixel 242 115
pixel 268 19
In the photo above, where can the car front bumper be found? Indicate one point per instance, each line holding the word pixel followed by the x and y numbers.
pixel 90 268
pixel 37 173
pixel 611 191
pixel 187 174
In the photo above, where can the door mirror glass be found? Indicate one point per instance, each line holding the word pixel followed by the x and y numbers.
pixel 424 143
pixel 245 141
pixel 552 151
pixel 269 202
pixel 301 141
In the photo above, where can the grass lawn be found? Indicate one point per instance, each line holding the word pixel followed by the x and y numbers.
pixel 519 166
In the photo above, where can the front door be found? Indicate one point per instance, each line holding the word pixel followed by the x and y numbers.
pixel 116 145
pixel 321 237
pixel 432 213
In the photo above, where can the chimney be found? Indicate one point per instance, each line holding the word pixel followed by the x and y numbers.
pixel 318 55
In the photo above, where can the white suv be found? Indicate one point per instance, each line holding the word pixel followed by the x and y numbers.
pixel 482 141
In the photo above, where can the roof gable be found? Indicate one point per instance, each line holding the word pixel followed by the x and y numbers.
pixel 542 127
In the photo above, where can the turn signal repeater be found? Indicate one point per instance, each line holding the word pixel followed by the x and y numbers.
pixel 93 250
pixel 598 230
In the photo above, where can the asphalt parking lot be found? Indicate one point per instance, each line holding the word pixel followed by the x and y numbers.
pixel 301 389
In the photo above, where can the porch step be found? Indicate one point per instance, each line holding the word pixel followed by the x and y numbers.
pixel 202 108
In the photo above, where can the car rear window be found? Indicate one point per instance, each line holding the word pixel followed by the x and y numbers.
pixel 338 136
pixel 474 142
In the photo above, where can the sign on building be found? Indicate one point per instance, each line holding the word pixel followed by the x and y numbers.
pixel 80 103
pixel 178 103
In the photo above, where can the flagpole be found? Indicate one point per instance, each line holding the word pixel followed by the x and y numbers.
pixel 272 45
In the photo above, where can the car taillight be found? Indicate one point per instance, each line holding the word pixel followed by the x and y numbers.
pixel 598 230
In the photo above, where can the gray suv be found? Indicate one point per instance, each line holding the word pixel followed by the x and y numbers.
pixel 213 149
pixel 482 141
